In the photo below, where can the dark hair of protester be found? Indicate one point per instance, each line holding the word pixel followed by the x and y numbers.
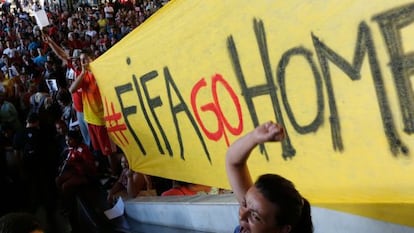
pixel 32 118
pixel 19 223
pixel 64 96
pixel 75 135
pixel 292 208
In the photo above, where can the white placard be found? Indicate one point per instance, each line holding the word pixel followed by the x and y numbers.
pixel 116 211
pixel 41 18
pixel 52 85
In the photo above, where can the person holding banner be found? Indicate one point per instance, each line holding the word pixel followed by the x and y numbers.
pixel 272 203
pixel 94 112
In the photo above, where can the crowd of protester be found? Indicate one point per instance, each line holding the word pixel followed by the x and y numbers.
pixel 47 151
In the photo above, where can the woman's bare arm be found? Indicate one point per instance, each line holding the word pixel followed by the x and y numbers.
pixel 238 153
pixel 56 49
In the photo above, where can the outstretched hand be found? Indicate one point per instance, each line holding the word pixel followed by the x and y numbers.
pixel 46 38
pixel 269 132
pixel 239 152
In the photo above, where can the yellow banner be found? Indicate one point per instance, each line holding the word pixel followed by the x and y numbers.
pixel 337 74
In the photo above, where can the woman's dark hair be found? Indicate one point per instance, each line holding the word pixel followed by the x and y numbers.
pixel 32 117
pixel 75 135
pixel 292 209
pixel 64 96
pixel 19 223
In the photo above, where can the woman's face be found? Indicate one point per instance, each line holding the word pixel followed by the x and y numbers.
pixel 257 214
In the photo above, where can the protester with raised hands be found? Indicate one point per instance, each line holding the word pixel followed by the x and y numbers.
pixel 271 204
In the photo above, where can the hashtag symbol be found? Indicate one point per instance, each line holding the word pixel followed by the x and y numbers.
pixel 114 126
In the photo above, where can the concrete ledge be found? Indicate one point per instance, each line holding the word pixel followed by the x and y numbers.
pixel 219 213
pixel 209 213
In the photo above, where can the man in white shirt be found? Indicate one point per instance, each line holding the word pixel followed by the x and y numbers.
pixel 109 12
pixel 10 51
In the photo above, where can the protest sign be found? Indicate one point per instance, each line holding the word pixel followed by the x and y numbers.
pixel 197 75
